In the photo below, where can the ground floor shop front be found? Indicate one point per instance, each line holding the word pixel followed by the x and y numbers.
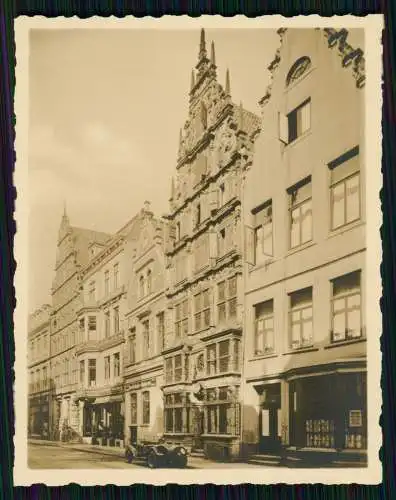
pixel 38 416
pixel 102 420
pixel 313 417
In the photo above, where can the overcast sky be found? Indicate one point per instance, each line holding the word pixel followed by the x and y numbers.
pixel 106 107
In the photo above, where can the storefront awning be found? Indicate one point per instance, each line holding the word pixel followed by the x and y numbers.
pixel 116 398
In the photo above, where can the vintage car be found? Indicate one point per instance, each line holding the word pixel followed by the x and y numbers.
pixel 158 454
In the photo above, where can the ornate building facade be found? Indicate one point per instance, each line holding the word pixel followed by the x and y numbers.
pixel 39 372
pixel 202 349
pixel 145 328
pixel 305 336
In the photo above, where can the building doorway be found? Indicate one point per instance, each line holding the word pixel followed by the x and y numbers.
pixel 269 419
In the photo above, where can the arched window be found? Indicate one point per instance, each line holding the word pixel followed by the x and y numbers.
pixel 149 281
pixel 141 286
pixel 298 69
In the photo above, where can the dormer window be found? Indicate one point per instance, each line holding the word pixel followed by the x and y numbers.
pixel 298 69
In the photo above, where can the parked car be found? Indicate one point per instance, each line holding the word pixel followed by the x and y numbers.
pixel 160 454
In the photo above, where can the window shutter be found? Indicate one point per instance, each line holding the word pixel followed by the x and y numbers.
pixel 283 128
pixel 249 245
pixel 306 117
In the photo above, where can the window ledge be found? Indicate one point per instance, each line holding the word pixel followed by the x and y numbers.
pixel 301 350
pixel 233 373
pixel 303 136
pixel 221 436
pixel 341 343
pixel 300 248
pixel 345 228
pixel 263 356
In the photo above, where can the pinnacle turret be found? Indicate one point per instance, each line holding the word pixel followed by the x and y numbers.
pixel 227 83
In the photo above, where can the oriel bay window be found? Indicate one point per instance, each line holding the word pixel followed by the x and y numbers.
pixel 346 307
pixel 264 328
pixel 221 410
pixel 301 318
pixel 82 371
pixel 300 208
pixel 227 299
pixel 181 319
pixel 176 413
pixel 222 357
pixel 345 189
pixel 201 310
pixel 263 240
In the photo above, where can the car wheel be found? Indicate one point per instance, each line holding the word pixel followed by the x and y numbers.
pixel 181 462
pixel 152 461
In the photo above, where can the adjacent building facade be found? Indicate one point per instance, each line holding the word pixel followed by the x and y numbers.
pixel 205 292
pixel 40 386
pixel 305 336
pixel 145 328
pixel 73 253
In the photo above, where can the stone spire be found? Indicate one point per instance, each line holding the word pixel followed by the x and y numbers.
pixel 172 196
pixel 212 54
pixel 202 46
pixel 227 83
pixel 241 116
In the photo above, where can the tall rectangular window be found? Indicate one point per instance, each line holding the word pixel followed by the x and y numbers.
pixel 224 356
pixel 181 319
pixel 132 348
pixel 91 291
pixel 264 327
pixel 227 299
pixel 201 310
pixel 92 372
pixel 116 365
pixel 161 330
pixel 296 123
pixel 301 318
pixel 106 282
pixel 133 408
pixel 174 369
pixel 116 276
pixel 221 411
pixel 346 307
pixel 345 189
pixel 107 368
pixel 300 208
pixel 116 320
pixel 173 412
pixel 107 324
pixel 91 327
pixel 146 338
pixel 145 407
pixel 263 233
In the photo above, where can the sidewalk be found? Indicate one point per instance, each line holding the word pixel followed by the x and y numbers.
pixel 89 448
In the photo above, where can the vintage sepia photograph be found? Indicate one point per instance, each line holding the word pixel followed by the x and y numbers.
pixel 200 292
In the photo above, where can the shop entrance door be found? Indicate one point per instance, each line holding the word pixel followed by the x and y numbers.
pixel 269 420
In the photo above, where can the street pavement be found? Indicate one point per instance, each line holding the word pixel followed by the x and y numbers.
pixel 43 455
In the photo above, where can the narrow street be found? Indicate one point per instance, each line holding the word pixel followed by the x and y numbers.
pixel 52 456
